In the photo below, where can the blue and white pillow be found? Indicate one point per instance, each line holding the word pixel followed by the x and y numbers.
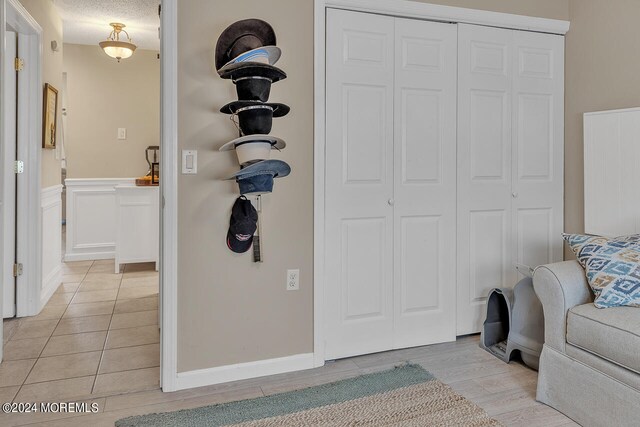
pixel 612 267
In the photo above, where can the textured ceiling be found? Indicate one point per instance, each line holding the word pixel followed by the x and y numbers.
pixel 87 21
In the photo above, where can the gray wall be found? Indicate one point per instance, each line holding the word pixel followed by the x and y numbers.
pixel 602 73
pixel 45 13
pixel 231 310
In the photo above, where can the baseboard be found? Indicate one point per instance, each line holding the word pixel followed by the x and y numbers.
pixel 89 256
pixel 243 371
pixel 50 285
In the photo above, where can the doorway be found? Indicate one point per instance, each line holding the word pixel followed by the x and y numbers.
pixel 106 318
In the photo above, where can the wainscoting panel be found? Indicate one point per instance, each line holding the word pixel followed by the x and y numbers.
pixel 91 218
pixel 51 210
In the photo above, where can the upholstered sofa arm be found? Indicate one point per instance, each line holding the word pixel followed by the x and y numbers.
pixel 560 286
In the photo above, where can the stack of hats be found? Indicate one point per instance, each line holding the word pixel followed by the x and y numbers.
pixel 245 53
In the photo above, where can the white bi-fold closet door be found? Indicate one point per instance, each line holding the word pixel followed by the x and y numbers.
pixel 390 183
pixel 510 160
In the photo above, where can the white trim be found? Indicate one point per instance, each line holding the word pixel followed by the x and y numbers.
pixel 50 284
pixel 621 110
pixel 29 230
pixel 2 55
pixel 242 371
pixel 434 12
pixel 50 194
pixel 400 8
pixel 318 182
pixel 92 182
pixel 169 196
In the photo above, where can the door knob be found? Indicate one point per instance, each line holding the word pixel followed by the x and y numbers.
pixel 391 202
pixel 514 195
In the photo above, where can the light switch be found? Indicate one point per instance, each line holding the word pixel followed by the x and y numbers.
pixel 122 133
pixel 189 162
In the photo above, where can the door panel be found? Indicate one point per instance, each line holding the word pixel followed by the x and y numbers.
pixel 420 136
pixel 359 181
pixel 484 170
pixel 9 91
pixel 488 254
pixel 363 252
pixel 420 264
pixel 365 143
pixel 535 236
pixel 489 143
pixel 424 182
pixel 538 120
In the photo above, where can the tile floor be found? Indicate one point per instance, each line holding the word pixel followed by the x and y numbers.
pixel 98 335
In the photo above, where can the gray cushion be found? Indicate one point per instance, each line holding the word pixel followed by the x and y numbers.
pixel 610 333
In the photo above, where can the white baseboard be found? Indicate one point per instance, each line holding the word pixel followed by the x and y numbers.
pixel 89 256
pixel 243 371
pixel 50 284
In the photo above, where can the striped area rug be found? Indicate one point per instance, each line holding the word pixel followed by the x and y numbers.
pixel 405 396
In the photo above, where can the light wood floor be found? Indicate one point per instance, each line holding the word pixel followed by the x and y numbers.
pixel 505 391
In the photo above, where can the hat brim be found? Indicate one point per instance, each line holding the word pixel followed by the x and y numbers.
pixel 276 143
pixel 272 54
pixel 279 109
pixel 277 168
pixel 250 69
pixel 256 27
pixel 236 245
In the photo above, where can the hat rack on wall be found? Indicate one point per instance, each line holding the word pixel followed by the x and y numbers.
pixel 245 53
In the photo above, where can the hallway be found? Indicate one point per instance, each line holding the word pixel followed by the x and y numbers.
pixel 98 335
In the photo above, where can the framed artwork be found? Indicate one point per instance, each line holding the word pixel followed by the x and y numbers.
pixel 49 116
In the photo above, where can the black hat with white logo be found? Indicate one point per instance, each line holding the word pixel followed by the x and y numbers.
pixel 243 223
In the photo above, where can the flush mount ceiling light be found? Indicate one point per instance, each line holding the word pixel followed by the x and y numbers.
pixel 116 48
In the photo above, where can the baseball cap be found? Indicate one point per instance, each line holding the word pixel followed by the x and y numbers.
pixel 243 223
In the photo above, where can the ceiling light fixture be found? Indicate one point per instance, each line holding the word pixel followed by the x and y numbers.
pixel 116 48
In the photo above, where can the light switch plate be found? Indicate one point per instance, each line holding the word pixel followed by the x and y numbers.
pixel 122 133
pixel 189 162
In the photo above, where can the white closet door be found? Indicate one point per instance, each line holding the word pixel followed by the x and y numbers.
pixel 484 169
pixel 359 183
pixel 424 182
pixel 538 134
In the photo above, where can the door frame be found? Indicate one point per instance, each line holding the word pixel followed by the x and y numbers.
pixel 398 8
pixel 169 196
pixel 29 230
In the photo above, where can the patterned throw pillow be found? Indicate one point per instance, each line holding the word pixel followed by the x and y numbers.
pixel 612 267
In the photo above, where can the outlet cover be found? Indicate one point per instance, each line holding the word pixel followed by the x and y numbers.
pixel 293 280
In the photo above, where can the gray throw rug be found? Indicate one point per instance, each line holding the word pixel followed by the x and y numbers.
pixel 404 396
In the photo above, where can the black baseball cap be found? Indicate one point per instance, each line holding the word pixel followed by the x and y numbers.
pixel 243 223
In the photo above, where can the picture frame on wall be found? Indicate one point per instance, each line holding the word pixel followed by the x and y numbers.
pixel 49 116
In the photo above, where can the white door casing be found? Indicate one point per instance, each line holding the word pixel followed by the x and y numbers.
pixel 9 88
pixel 424 182
pixel 359 182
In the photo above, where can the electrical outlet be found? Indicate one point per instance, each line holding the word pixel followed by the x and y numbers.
pixel 293 280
